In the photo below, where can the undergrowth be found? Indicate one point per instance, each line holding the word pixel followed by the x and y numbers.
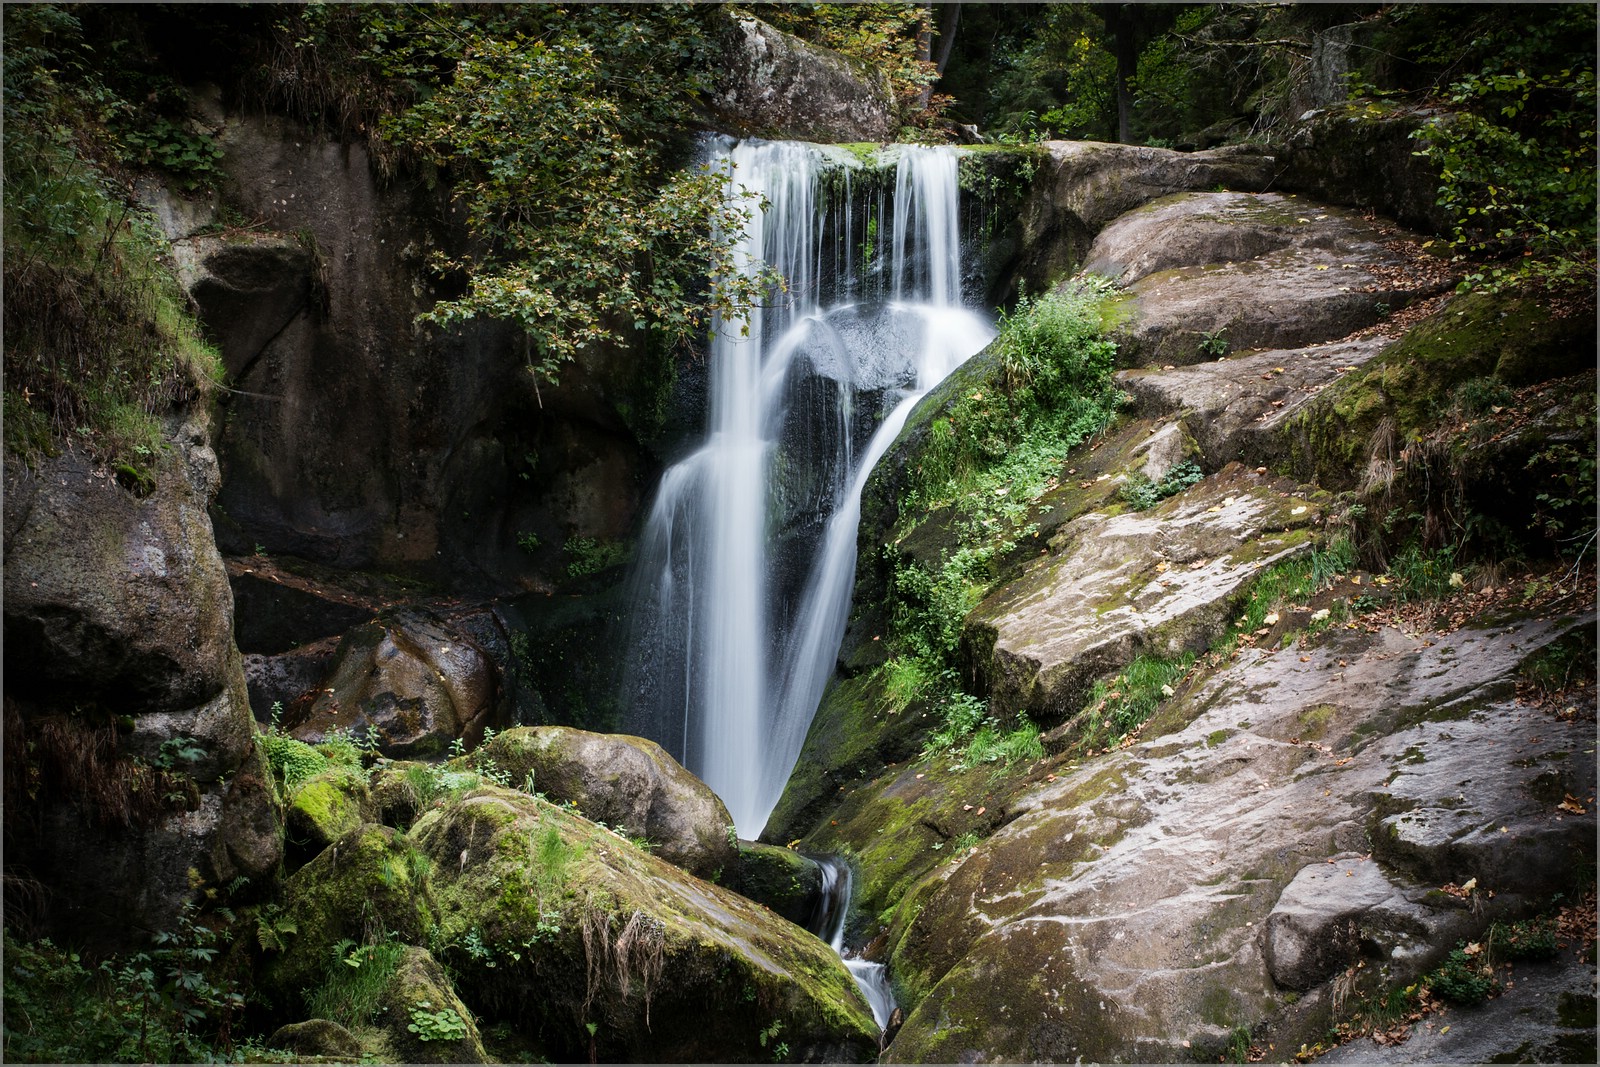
pixel 100 344
pixel 990 455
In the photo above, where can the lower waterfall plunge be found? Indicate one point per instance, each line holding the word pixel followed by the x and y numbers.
pixel 743 576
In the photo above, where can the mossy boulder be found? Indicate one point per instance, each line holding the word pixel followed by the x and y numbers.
pixel 628 783
pixel 319 1038
pixel 778 878
pixel 591 947
pixel 327 807
pixel 424 1020
pixel 371 882
pixel 1505 338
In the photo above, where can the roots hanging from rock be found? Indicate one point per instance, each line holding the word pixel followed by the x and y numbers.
pixel 635 955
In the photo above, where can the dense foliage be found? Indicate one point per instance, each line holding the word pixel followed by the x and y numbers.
pixel 1516 150
pixel 988 458
pixel 561 133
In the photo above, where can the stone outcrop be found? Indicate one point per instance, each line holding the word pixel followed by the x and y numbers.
pixel 1362 154
pixel 1164 581
pixel 1250 271
pixel 775 85
pixel 1084 185
pixel 353 437
pixel 628 783
pixel 1146 923
pixel 1237 408
pixel 416 682
pixel 126 703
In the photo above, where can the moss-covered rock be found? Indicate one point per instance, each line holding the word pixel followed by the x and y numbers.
pixel 855 733
pixel 779 878
pixel 424 1020
pixel 591 947
pixel 317 1037
pixel 629 783
pixel 1410 388
pixel 327 807
pixel 371 883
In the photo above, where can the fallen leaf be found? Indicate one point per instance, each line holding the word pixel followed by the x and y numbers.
pixel 1571 804
pixel 1271 618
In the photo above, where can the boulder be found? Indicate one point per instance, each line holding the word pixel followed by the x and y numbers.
pixel 317 1037
pixel 778 878
pixel 1208 273
pixel 248 288
pixel 1164 581
pixel 777 86
pixel 371 881
pixel 1118 916
pixel 119 597
pixel 1333 914
pixel 1362 154
pixel 628 783
pixel 409 676
pixel 131 721
pixel 423 1019
pixel 326 807
pixel 560 929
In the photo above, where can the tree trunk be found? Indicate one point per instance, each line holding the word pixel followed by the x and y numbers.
pixel 1119 23
pixel 949 19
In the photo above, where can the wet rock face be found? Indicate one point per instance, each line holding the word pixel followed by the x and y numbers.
pixel 353 437
pixel 1211 273
pixel 1142 906
pixel 118 628
pixel 775 85
pixel 1163 581
pixel 630 784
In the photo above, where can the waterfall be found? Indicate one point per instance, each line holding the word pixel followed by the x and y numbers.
pixel 743 575
pixel 833 909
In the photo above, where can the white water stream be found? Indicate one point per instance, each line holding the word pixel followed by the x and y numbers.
pixel 744 572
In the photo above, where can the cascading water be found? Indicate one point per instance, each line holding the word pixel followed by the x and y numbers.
pixel 743 575
pixel 730 658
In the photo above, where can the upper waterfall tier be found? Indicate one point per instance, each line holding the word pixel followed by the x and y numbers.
pixel 742 580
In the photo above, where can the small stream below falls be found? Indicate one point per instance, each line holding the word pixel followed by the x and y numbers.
pixel 742 579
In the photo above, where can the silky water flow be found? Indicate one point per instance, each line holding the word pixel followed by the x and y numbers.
pixel 743 576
